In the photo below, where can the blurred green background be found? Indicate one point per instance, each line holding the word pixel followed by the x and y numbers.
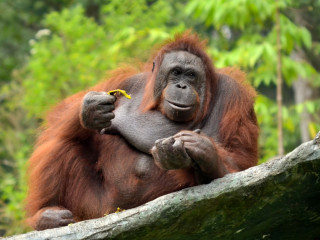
pixel 52 49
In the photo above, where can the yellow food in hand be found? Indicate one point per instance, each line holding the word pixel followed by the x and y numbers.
pixel 123 92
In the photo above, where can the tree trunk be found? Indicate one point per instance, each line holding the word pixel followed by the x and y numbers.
pixel 302 93
pixel 279 85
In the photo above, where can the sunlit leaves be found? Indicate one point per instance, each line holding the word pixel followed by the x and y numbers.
pixel 251 45
pixel 255 48
pixel 71 58
pixel 234 13
pixel 78 51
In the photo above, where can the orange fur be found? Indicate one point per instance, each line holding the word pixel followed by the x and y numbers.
pixel 238 129
pixel 91 174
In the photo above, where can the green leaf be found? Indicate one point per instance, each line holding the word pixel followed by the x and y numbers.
pixel 306 38
pixel 310 107
pixel 299 108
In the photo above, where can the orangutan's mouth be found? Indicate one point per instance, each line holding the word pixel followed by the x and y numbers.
pixel 179 106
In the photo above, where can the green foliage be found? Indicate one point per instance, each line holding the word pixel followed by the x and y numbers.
pixel 13 192
pixel 79 41
pixel 249 42
pixel 18 19
pixel 70 53
pixel 73 52
pixel 14 148
pixel 233 13
pixel 65 59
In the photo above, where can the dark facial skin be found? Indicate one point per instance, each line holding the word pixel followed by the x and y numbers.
pixel 180 80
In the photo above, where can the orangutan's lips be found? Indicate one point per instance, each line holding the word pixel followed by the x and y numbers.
pixel 179 106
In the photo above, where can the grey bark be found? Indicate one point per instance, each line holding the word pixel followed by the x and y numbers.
pixel 302 93
pixel 303 89
pixel 279 83
pixel 275 200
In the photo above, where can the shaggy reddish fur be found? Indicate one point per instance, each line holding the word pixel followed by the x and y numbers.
pixel 89 174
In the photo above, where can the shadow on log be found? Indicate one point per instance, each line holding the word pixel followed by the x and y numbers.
pixel 276 200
